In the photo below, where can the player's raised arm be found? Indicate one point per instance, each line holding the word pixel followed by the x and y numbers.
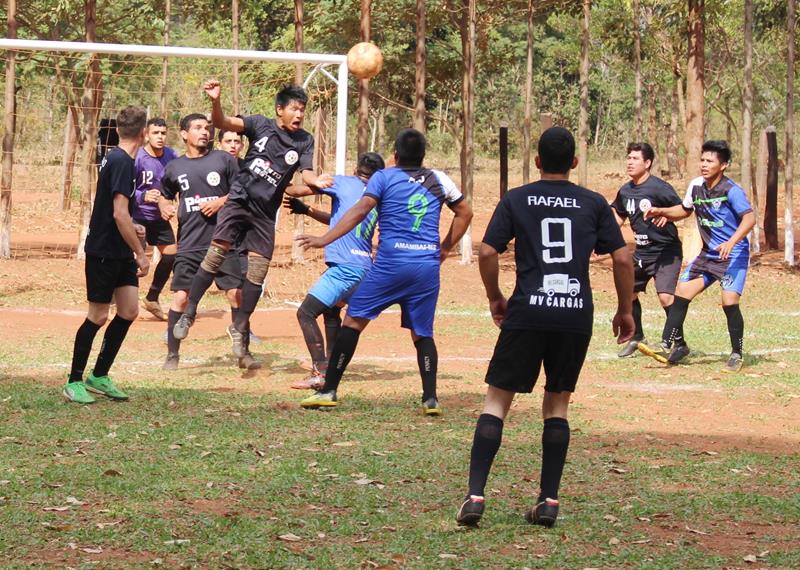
pixel 124 222
pixel 213 88
pixel 351 219
pixel 622 324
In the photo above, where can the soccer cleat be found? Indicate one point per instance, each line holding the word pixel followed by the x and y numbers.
pixel 734 364
pixel 76 392
pixel 181 329
pixel 660 352
pixel 431 407
pixel 471 511
pixel 630 348
pixel 678 353
pixel 171 363
pixel 543 513
pixel 254 339
pixel 320 399
pixel 249 362
pixel 104 385
pixel 314 381
pixel 154 308
pixel 237 342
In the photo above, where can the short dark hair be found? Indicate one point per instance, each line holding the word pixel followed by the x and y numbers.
pixel 291 93
pixel 721 148
pixel 556 150
pixel 369 163
pixel 223 132
pixel 156 122
pixel 644 148
pixel 130 121
pixel 186 122
pixel 409 144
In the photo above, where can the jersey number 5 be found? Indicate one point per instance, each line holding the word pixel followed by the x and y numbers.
pixel 417 207
pixel 548 225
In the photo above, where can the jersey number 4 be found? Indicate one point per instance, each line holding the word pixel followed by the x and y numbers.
pixel 556 246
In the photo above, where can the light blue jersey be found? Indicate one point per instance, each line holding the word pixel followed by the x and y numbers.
pixel 355 247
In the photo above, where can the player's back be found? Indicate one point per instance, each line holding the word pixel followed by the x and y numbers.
pixel 409 206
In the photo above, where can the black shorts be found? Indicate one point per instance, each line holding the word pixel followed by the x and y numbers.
pixel 103 275
pixel 664 269
pixel 237 224
pixel 186 265
pixel 157 232
pixel 518 357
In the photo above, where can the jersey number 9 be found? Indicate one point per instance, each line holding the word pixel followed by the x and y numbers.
pixel 550 244
pixel 417 207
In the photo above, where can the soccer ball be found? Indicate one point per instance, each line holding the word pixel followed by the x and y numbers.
pixel 364 60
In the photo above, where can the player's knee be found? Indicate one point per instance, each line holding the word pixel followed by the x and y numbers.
pixel 129 313
pixel 257 268
pixel 310 309
pixel 214 258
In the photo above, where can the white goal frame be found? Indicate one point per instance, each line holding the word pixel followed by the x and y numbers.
pixel 320 60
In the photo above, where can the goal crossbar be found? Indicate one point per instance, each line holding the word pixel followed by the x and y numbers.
pixel 215 53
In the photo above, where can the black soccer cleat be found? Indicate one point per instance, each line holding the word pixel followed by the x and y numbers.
pixel 471 511
pixel 237 342
pixel 249 362
pixel 543 513
pixel 678 353
pixel 181 329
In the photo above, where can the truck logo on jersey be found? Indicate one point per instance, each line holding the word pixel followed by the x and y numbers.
pixel 291 157
pixel 193 203
pixel 213 178
pixel 561 291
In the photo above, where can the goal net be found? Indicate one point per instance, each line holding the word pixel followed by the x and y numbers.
pixel 67 94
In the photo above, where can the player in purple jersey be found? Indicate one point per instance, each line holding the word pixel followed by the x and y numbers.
pixel 348 260
pixel 151 160
pixel 409 199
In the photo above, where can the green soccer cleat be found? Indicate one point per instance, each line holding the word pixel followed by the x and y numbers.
pixel 320 399
pixel 104 385
pixel 431 407
pixel 76 392
pixel 659 352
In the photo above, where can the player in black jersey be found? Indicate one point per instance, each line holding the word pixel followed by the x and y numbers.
pixel 200 180
pixel 115 260
pixel 658 253
pixel 278 148
pixel 556 226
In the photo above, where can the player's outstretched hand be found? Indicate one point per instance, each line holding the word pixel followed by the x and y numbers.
pixel 143 263
pixel 212 87
pixel 140 230
pixel 295 205
pixel 725 249
pixel 623 327
pixel 497 308
pixel 651 213
pixel 660 221
pixel 324 181
pixel 307 241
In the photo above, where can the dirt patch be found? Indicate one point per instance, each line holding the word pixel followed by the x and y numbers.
pixel 106 557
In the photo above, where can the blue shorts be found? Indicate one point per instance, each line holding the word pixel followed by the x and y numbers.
pixel 415 287
pixel 337 284
pixel 731 273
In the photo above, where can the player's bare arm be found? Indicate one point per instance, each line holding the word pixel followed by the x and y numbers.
pixel 458 227
pixel 747 223
pixel 213 88
pixel 351 219
pixel 489 266
pixel 296 206
pixel 622 324
pixel 125 225
pixel 317 181
pixel 671 214
pixel 300 190
pixel 620 219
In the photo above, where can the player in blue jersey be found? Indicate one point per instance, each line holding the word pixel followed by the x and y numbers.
pixel 348 259
pixel 409 198
pixel 724 218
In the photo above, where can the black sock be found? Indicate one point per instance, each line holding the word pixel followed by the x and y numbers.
pixel 200 283
pixel 673 328
pixel 637 320
pixel 555 442
pixel 428 361
pixel 112 341
pixel 307 314
pixel 83 346
pixel 234 313
pixel 160 276
pixel 341 354
pixel 485 443
pixel 679 336
pixel 735 327
pixel 251 293
pixel 333 323
pixel 173 344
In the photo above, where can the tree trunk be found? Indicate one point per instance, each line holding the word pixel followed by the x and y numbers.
pixel 164 70
pixel 637 71
pixel 381 131
pixel 672 139
pixel 71 134
pixel 583 123
pixel 788 218
pixel 235 43
pixel 91 102
pixel 747 121
pixel 695 87
pixel 760 186
pixel 527 123
pixel 420 62
pixel 468 101
pixel 299 221
pixel 652 126
pixel 10 126
pixel 771 201
pixel 363 85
